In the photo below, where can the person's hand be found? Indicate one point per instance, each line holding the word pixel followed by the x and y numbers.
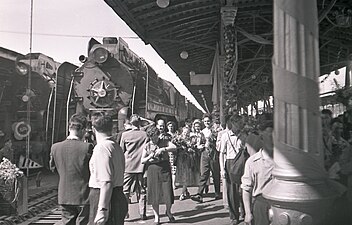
pixel 191 150
pixel 248 218
pixel 161 136
pixel 201 146
pixel 223 173
pixel 101 217
pixel 159 151
pixel 151 157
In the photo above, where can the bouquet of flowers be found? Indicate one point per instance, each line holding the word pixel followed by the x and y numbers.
pixel 8 180
pixel 187 150
pixel 9 171
pixel 343 95
pixel 184 143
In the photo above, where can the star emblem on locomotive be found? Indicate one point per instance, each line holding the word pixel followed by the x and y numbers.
pixel 102 93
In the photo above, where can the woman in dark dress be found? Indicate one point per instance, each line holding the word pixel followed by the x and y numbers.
pixel 187 173
pixel 159 181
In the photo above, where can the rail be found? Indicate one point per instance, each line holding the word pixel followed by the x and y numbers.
pixel 38 205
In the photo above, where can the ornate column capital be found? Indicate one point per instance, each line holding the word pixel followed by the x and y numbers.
pixel 228 15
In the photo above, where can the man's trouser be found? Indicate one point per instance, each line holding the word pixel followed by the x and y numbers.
pixel 261 211
pixel 209 164
pixel 118 206
pixel 74 214
pixel 134 182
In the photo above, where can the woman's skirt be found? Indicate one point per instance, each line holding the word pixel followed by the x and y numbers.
pixel 159 184
pixel 188 169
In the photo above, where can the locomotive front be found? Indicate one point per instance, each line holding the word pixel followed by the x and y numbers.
pixel 105 82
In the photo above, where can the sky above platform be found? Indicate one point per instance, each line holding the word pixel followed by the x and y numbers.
pixel 62 29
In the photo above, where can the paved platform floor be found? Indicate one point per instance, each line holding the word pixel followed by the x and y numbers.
pixel 210 212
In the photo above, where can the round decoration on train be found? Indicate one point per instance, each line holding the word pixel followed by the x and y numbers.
pixel 22 129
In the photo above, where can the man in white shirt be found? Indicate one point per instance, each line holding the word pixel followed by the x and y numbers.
pixel 231 144
pixel 107 167
pixel 258 174
pixel 209 161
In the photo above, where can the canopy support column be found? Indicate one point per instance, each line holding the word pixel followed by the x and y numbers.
pixel 300 193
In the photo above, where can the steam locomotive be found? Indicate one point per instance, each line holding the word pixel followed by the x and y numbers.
pixel 115 80
pixel 15 96
pixel 112 79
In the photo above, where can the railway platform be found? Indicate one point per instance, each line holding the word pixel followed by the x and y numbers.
pixel 209 212
pixel 42 200
pixel 186 212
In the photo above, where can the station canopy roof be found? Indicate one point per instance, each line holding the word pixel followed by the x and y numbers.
pixel 195 26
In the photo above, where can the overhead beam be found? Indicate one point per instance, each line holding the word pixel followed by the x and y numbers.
pixel 186 21
pixel 175 13
pixel 182 42
pixel 254 59
pixel 326 11
pixel 121 9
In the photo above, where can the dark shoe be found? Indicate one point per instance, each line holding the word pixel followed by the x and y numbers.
pixel 197 198
pixel 188 195
pixel 143 217
pixel 234 222
pixel 171 218
pixel 218 196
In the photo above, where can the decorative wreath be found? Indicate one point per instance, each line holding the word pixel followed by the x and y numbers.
pixel 344 95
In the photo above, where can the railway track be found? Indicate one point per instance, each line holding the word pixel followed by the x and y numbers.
pixel 39 205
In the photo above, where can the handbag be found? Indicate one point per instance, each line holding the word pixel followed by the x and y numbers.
pixel 235 167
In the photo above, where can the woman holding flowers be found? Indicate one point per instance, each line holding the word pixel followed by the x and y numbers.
pixel 187 173
pixel 156 157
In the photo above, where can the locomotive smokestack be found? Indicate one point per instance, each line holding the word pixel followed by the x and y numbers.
pixel 110 40
pixel 82 58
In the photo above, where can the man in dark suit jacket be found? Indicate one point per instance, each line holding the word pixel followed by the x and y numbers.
pixel 71 157
pixel 133 142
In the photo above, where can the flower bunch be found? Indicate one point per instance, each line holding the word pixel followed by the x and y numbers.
pixel 343 95
pixel 8 170
pixel 183 143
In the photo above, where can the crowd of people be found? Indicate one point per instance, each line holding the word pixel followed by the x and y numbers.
pixel 100 171
pixel 337 145
pixel 97 180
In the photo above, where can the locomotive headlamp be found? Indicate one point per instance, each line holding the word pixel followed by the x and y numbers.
pixel 100 55
pixel 22 68
pixel 82 58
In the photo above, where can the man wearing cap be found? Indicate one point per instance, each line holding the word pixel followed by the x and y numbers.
pixel 70 157
pixel 133 142
pixel 257 174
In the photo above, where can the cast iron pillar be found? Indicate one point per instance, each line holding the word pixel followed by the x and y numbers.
pixel 300 193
